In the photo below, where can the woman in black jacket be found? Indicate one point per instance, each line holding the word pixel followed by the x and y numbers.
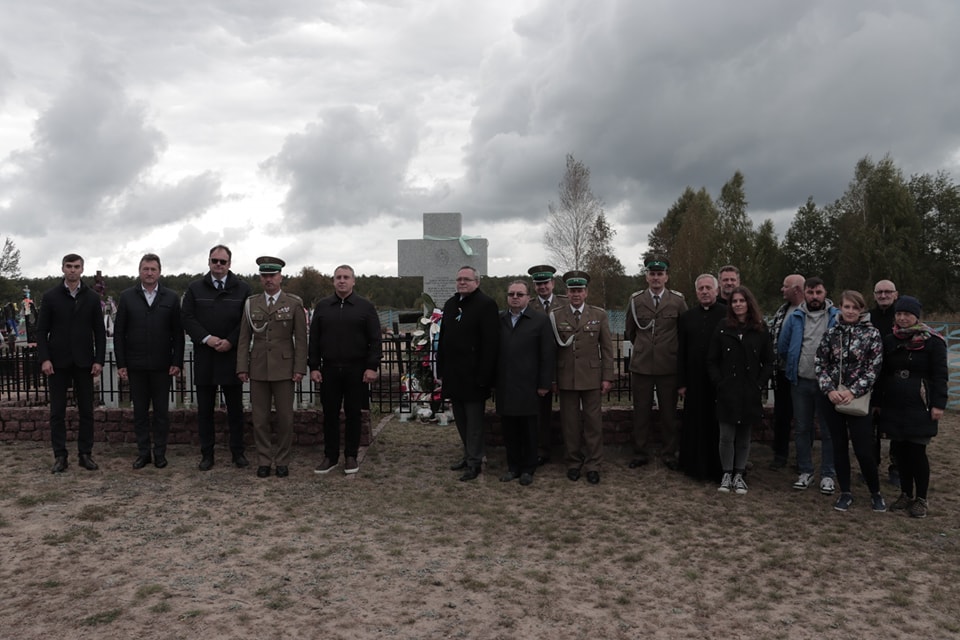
pixel 740 362
pixel 913 395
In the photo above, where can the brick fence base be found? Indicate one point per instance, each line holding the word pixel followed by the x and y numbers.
pixel 116 425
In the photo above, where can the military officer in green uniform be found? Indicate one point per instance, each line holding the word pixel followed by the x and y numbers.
pixel 272 355
pixel 584 374
pixel 545 300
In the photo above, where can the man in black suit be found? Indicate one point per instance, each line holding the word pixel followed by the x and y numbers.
pixel 71 342
pixel 525 372
pixel 211 314
pixel 148 342
pixel 467 363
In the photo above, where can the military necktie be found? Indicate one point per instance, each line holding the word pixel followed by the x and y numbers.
pixel 576 317
pixel 656 300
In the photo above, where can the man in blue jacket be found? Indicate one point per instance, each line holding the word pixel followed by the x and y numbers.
pixel 148 341
pixel 71 341
pixel 797 346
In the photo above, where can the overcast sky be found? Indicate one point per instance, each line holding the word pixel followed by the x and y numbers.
pixel 321 131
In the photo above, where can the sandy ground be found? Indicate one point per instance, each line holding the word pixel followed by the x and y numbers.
pixel 404 550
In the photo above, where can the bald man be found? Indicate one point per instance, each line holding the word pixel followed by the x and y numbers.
pixel 792 290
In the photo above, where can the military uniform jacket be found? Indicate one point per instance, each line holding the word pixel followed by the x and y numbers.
pixel 588 360
pixel 653 332
pixel 273 345
pixel 555 303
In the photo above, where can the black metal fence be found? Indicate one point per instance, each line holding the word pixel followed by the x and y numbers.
pixel 22 382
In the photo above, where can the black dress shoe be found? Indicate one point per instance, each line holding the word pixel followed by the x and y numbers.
pixel 638 462
pixel 87 462
pixel 263 472
pixel 526 479
pixel 59 464
pixel 542 460
pixel 240 461
pixel 509 476
pixel 206 463
pixel 458 466
pixel 282 471
pixel 470 474
pixel 159 461
pixel 573 474
pixel 141 462
pixel 672 463
pixel 593 477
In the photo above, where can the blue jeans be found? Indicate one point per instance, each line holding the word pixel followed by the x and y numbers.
pixel 806 405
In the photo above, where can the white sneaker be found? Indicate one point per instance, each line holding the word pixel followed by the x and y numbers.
pixel 726 484
pixel 804 481
pixel 739 485
pixel 827 486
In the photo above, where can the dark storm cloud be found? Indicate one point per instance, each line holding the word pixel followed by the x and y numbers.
pixel 93 149
pixel 654 97
pixel 347 168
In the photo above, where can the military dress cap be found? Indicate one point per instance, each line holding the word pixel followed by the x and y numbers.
pixel 269 264
pixel 576 279
pixel 657 264
pixel 542 273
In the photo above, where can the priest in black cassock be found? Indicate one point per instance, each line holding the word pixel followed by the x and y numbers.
pixel 699 433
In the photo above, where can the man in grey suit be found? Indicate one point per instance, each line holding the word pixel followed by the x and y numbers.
pixel 272 355
pixel 525 371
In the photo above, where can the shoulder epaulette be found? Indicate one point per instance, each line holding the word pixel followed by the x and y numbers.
pixel 675 292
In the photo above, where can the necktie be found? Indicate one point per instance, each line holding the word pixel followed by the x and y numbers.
pixel 576 317
pixel 656 300
pixel 219 285
pixel 270 303
pixel 545 304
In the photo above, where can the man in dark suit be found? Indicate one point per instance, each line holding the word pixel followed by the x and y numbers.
pixel 467 363
pixel 212 311
pixel 584 374
pixel 148 341
pixel 651 326
pixel 343 359
pixel 525 371
pixel 273 357
pixel 71 343
pixel 546 301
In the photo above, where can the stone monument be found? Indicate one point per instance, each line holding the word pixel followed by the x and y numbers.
pixel 437 256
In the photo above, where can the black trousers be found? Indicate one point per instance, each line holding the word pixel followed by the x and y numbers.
pixel 341 386
pixel 520 438
pixel 59 382
pixel 206 402
pixel 150 387
pixel 782 417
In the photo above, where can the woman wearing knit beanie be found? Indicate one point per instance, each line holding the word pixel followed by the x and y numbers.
pixel 913 386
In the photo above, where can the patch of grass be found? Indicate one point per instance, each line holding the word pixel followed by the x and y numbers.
pixel 192 613
pixel 147 590
pixel 104 617
pixel 161 607
pixel 73 534
pixel 40 498
pixel 279 603
pixel 472 584
pixel 50 584
pixel 277 553
pixel 96 512
pixel 183 529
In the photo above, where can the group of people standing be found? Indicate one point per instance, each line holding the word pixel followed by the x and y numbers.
pixel 718 356
pixel 238 337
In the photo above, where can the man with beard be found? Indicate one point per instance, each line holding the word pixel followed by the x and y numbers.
pixel 729 280
pixel 700 433
pixel 797 345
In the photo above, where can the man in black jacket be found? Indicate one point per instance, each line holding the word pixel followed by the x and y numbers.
pixel 148 341
pixel 71 342
pixel 211 313
pixel 467 363
pixel 344 357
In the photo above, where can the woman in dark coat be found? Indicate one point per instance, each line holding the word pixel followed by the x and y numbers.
pixel 740 362
pixel 913 386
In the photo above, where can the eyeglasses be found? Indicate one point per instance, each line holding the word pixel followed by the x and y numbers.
pixel 884 292
pixel 516 294
pixel 218 261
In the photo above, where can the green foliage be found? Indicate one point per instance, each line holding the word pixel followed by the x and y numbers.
pixel 601 263
pixel 808 244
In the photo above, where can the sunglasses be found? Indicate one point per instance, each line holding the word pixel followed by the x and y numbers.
pixel 218 261
pixel 515 294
